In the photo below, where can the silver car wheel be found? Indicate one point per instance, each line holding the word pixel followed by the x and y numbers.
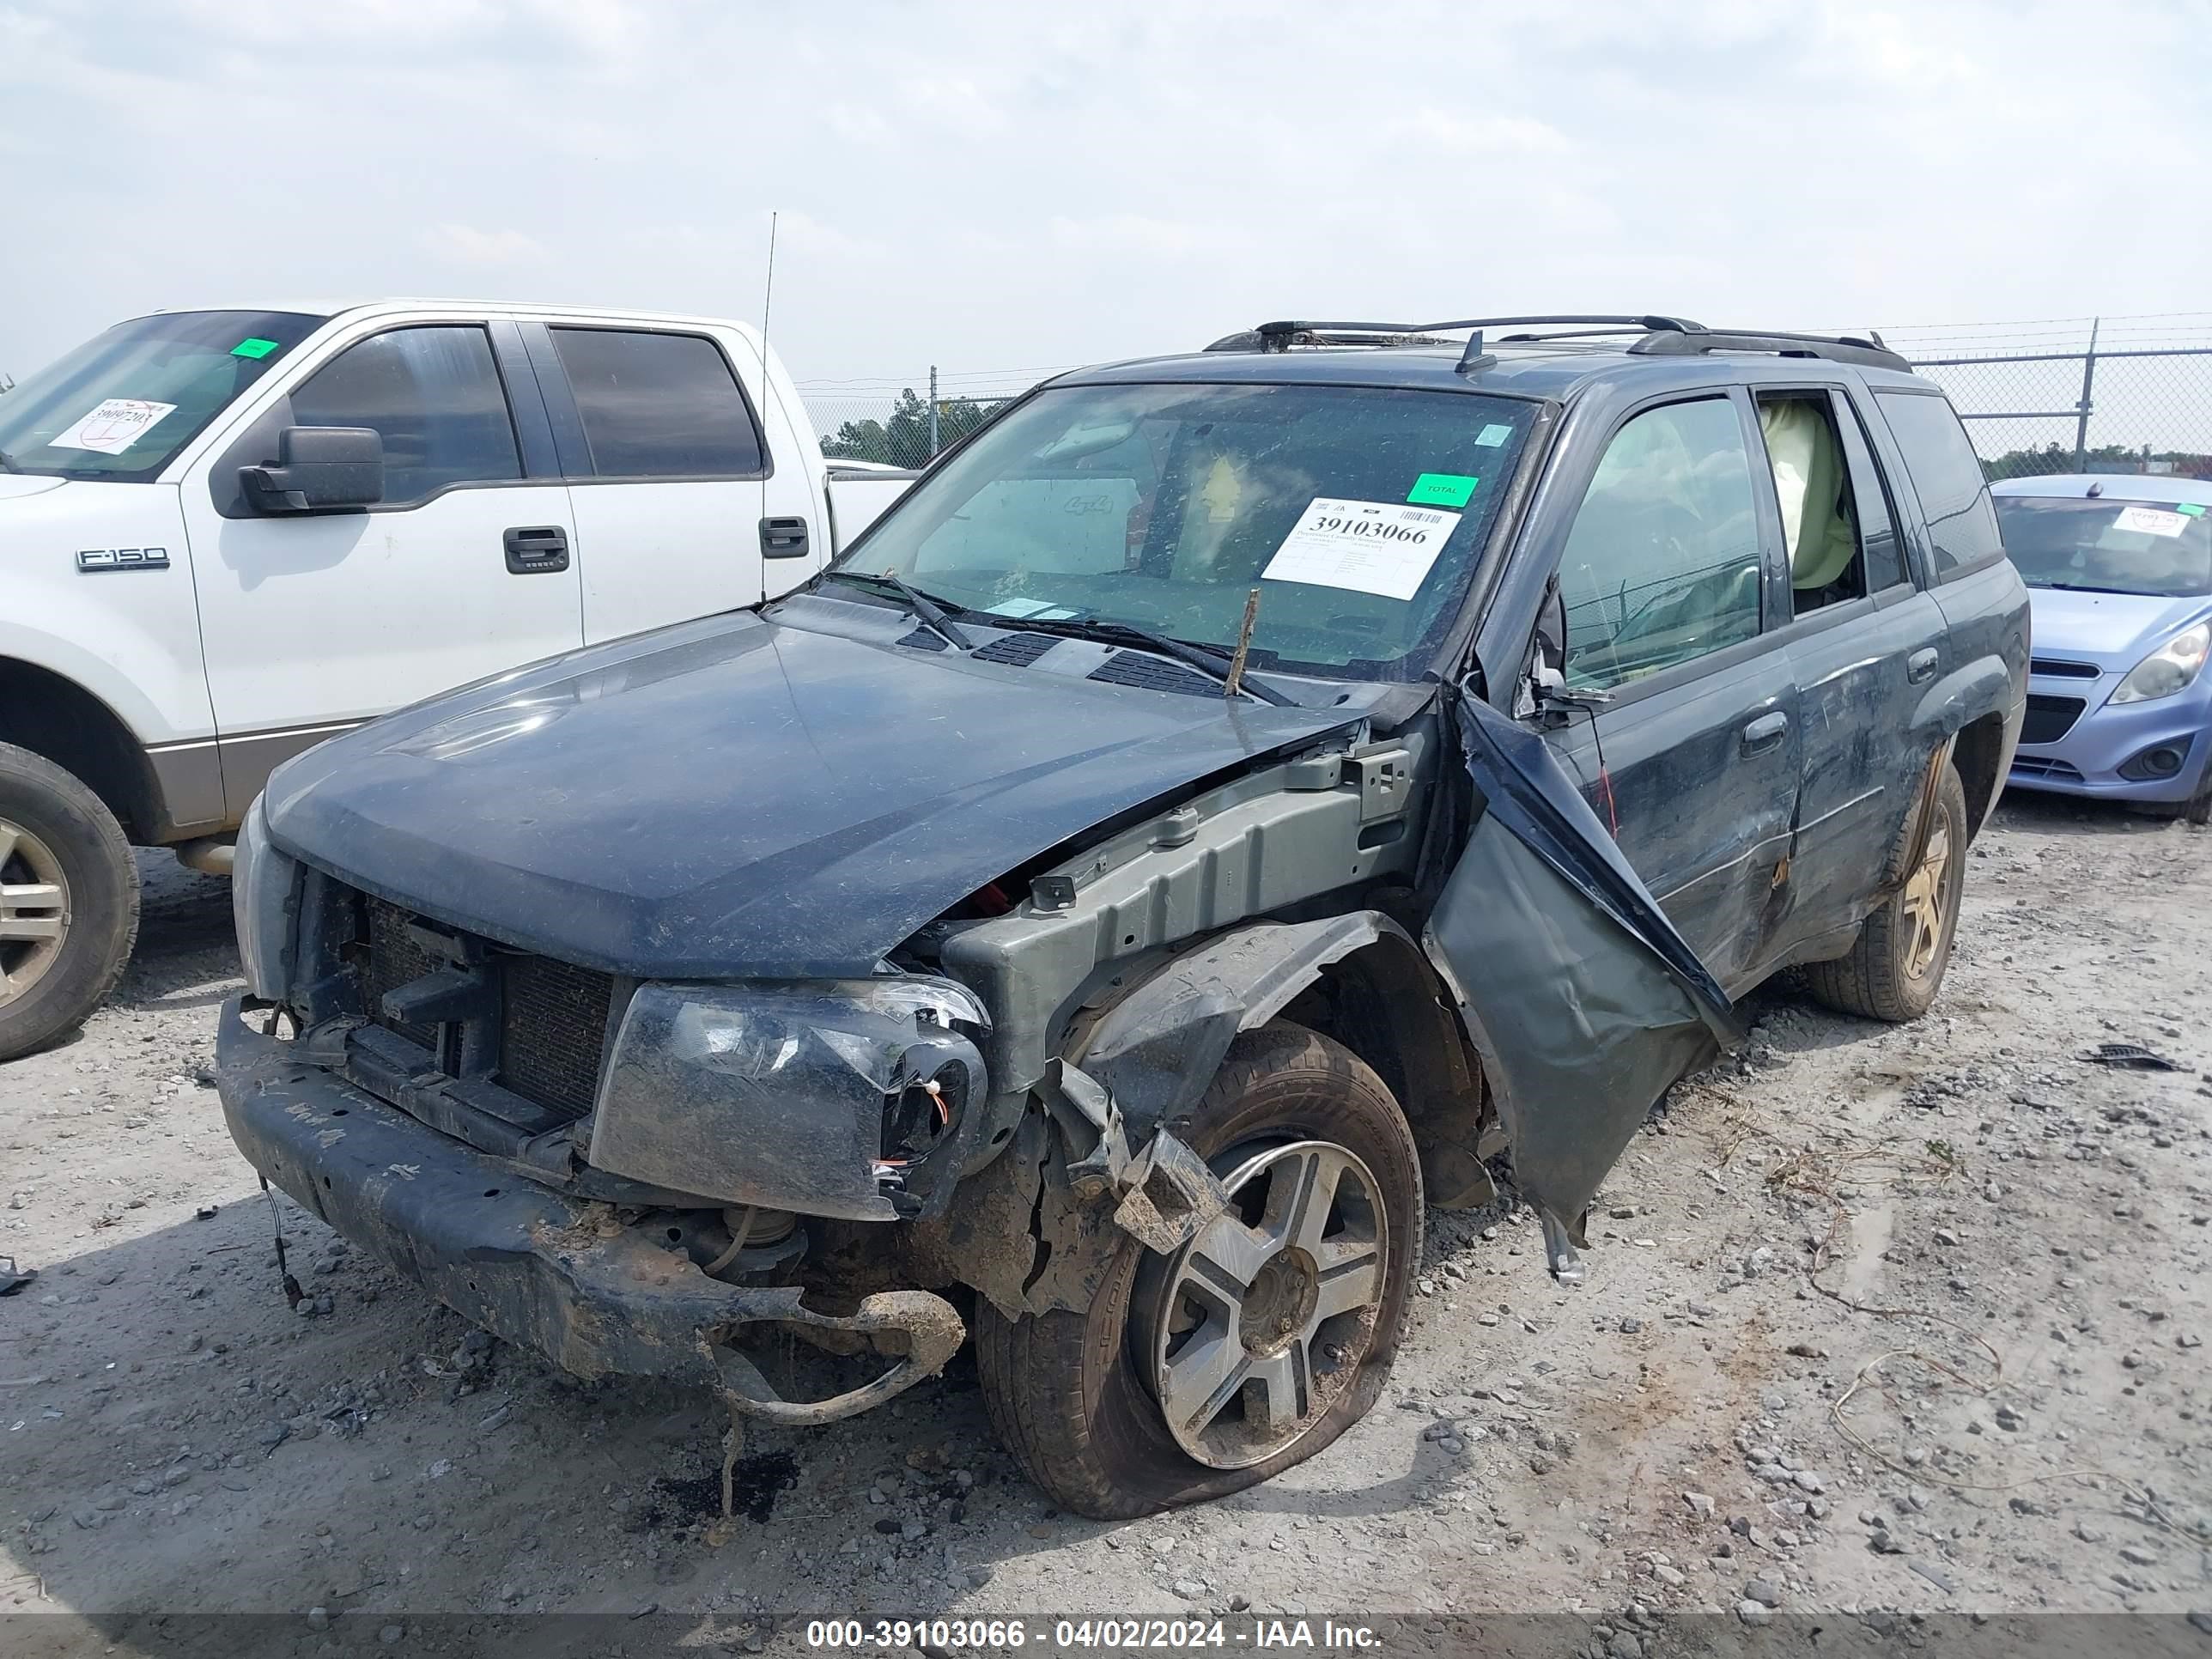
pixel 1256 1328
pixel 34 911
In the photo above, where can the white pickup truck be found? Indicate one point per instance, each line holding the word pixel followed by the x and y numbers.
pixel 226 535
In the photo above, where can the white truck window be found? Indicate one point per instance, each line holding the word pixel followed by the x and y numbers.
pixel 658 406
pixel 435 397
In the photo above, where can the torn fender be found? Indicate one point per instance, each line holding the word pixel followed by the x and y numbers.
pixel 1586 1002
pixel 1157 1049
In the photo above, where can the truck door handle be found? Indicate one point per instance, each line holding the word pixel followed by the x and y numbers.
pixel 783 538
pixel 1921 663
pixel 535 550
pixel 1766 732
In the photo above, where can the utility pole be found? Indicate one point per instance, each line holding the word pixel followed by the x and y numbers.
pixel 2088 379
pixel 932 412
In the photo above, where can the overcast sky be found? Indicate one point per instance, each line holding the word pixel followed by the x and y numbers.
pixel 998 187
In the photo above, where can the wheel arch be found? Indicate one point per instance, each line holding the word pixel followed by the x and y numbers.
pixel 1358 978
pixel 55 719
pixel 1980 756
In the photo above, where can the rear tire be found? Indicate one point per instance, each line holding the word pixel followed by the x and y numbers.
pixel 1894 970
pixel 1075 1395
pixel 69 902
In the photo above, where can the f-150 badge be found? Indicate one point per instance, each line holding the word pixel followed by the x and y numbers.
pixel 123 558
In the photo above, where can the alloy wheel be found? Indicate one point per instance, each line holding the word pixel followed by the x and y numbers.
pixel 34 911
pixel 1923 903
pixel 1252 1331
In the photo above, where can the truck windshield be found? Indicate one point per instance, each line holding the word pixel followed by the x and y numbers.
pixel 123 403
pixel 1358 512
pixel 2108 545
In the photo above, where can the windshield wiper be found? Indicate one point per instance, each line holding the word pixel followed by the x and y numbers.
pixel 8 463
pixel 2088 587
pixel 927 610
pixel 1208 660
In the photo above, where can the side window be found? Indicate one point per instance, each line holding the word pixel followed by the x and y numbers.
pixel 1947 476
pixel 1836 525
pixel 1663 562
pixel 434 396
pixel 658 406
pixel 1878 532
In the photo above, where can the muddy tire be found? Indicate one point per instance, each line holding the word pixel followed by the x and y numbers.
pixel 1294 1335
pixel 1896 967
pixel 69 902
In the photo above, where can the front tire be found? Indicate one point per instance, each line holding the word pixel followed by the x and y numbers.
pixel 69 902
pixel 1894 970
pixel 1268 1336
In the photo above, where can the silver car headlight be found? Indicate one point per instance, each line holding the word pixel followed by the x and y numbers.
pixel 2172 668
pixel 264 886
pixel 826 1097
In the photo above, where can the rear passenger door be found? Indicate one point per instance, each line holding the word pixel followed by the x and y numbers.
pixel 1691 759
pixel 669 476
pixel 1866 641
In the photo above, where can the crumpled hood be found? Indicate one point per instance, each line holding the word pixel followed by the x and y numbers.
pixel 2114 631
pixel 737 798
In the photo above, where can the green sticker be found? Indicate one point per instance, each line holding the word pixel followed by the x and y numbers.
pixel 254 348
pixel 2190 508
pixel 1441 490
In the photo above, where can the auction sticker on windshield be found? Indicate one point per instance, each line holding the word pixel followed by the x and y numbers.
pixel 113 428
pixel 2150 521
pixel 1370 547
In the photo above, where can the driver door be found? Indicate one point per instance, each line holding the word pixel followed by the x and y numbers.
pixel 1690 756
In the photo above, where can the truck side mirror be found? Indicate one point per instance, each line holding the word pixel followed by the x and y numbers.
pixel 317 466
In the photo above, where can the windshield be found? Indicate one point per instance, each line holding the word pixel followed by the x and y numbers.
pixel 124 402
pixel 2159 548
pixel 1357 512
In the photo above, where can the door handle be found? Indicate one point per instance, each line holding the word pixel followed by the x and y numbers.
pixel 1920 665
pixel 783 538
pixel 1765 732
pixel 533 550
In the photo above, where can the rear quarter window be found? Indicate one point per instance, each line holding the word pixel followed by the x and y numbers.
pixel 1947 476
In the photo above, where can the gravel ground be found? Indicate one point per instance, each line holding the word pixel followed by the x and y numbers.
pixel 1878 1321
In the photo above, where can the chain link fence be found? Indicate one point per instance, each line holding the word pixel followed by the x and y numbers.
pixel 905 423
pixel 2086 394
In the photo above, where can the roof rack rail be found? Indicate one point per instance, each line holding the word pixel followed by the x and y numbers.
pixel 1868 353
pixel 1663 336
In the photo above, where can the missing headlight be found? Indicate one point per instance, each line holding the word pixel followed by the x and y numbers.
pixel 924 1115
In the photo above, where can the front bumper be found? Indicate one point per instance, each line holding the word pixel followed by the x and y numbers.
pixel 561 1275
pixel 2086 760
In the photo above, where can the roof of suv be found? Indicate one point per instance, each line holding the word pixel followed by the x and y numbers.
pixel 1556 368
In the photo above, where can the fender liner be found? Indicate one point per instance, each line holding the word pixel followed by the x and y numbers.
pixel 1157 1048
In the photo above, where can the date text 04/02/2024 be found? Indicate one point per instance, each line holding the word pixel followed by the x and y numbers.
pixel 1087 1635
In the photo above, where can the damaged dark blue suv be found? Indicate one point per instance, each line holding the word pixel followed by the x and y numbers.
pixel 1232 801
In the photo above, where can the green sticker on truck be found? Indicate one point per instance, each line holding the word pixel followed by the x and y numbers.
pixel 1442 489
pixel 255 347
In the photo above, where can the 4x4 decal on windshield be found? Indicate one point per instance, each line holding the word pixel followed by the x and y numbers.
pixel 123 558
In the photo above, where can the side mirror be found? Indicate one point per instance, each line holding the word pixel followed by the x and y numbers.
pixel 317 466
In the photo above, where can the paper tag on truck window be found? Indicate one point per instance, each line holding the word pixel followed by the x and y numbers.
pixel 1370 547
pixel 2150 521
pixel 113 428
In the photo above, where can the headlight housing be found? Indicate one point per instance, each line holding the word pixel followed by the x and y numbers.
pixel 265 888
pixel 2173 667
pixel 825 1097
